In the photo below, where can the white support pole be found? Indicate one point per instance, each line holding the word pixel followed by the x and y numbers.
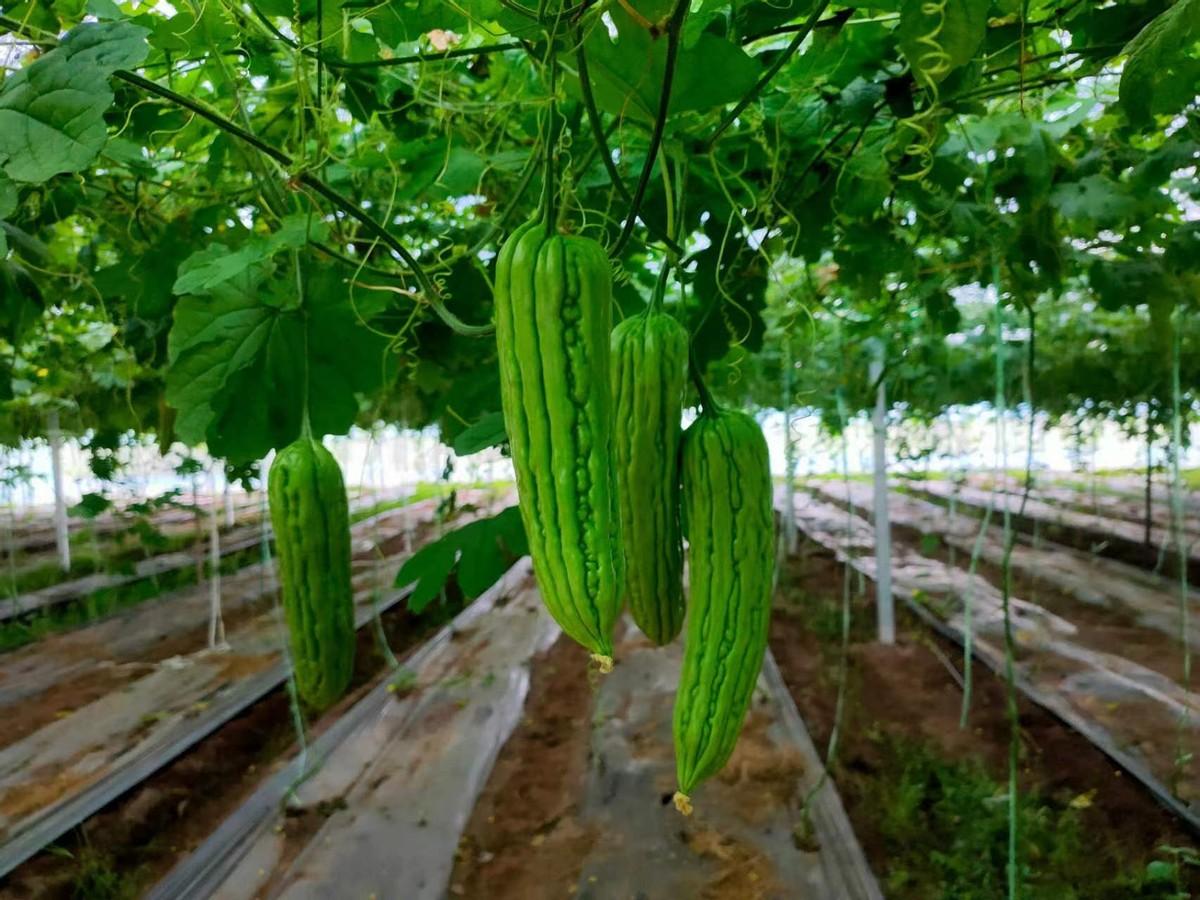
pixel 227 501
pixel 61 535
pixel 791 537
pixel 885 610
pixel 216 624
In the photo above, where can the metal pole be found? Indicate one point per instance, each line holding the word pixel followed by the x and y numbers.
pixel 61 536
pixel 216 624
pixel 885 608
pixel 227 501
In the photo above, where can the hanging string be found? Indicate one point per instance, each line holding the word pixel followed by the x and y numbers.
pixel 376 591
pixel 1177 518
pixel 847 573
pixel 1014 747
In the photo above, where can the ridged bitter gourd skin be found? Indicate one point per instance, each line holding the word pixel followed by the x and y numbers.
pixel 311 519
pixel 730 525
pixel 553 320
pixel 649 370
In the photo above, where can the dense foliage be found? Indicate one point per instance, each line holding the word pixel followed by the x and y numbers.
pixel 220 216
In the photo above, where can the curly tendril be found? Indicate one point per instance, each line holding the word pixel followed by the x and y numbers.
pixel 932 63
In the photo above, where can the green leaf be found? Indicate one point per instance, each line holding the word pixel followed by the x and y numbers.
pixel 52 111
pixel 212 338
pixel 627 71
pixel 1163 65
pixel 481 551
pixel 104 9
pixel 487 432
pixel 864 183
pixel 8 196
pixel 1120 283
pixel 429 567
pixel 1095 199
pixel 210 267
pixel 107 46
pixel 937 38
pixel 241 355
pixel 90 506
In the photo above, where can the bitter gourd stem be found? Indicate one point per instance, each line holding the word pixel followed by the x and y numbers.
pixel 708 404
pixel 549 187
pixel 674 29
pixel 660 288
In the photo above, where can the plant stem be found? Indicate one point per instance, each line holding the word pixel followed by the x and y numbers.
pixel 771 72
pixel 674 28
pixel 550 177
pixel 660 289
pixel 593 114
pixel 315 184
pixel 707 403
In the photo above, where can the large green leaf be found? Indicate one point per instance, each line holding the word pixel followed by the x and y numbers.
pixel 52 111
pixel 1163 66
pixel 242 354
pixel 481 551
pixel 627 70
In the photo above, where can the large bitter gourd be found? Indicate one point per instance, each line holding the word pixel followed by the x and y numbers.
pixel 311 519
pixel 553 320
pixel 650 359
pixel 730 527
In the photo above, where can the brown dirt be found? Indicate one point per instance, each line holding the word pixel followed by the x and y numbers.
pixel 1085 538
pixel 907 691
pixel 1104 629
pixel 111 673
pixel 143 834
pixel 63 698
pixel 524 841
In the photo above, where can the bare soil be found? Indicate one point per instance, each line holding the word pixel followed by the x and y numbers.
pixel 1105 629
pixel 527 840
pixel 911 691
pixel 112 672
pixel 524 841
pixel 142 835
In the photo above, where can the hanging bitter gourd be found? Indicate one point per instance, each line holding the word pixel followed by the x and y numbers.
pixel 730 527
pixel 649 369
pixel 311 519
pixel 553 319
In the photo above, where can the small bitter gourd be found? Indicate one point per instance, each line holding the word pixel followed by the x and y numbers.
pixel 650 359
pixel 553 312
pixel 730 527
pixel 311 519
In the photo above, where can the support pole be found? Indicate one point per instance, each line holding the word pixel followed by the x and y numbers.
pixel 885 608
pixel 227 501
pixel 216 623
pixel 61 535
pixel 790 532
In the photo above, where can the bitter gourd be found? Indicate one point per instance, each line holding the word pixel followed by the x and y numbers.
pixel 730 527
pixel 649 369
pixel 553 318
pixel 311 519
